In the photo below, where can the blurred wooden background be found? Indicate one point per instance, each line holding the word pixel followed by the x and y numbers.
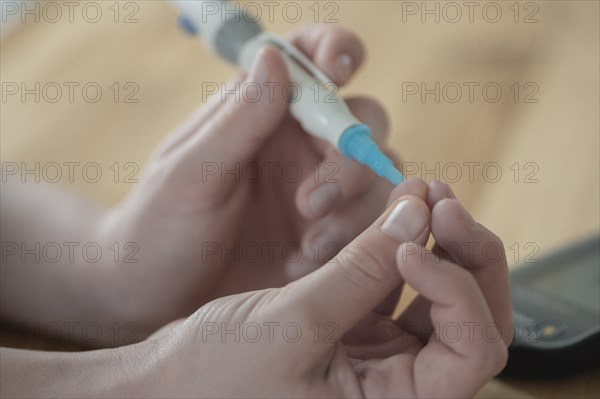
pixel 546 150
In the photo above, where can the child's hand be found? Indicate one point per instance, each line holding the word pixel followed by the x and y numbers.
pixel 287 342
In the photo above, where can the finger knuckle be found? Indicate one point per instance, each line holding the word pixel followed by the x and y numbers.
pixel 362 267
pixel 492 247
pixel 498 358
pixel 502 356
pixel 490 360
pixel 493 237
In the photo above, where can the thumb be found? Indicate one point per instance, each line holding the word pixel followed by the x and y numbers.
pixel 363 273
pixel 250 113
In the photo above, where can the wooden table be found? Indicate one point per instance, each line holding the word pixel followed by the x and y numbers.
pixel 541 133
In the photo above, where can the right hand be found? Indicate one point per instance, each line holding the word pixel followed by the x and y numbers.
pixel 287 342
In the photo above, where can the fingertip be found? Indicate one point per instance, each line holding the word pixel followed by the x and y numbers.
pixel 339 53
pixel 448 214
pixel 445 207
pixel 411 186
pixel 336 50
pixel 438 191
pixel 416 186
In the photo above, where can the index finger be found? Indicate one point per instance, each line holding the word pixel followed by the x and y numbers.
pixel 480 251
pixel 466 349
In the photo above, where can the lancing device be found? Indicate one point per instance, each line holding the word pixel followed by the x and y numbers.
pixel 236 36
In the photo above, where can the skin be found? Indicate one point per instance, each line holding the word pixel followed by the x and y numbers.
pixel 192 359
pixel 198 211
pixel 359 352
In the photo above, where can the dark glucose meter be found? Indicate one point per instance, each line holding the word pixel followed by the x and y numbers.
pixel 556 314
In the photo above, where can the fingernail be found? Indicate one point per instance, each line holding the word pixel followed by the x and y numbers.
pixel 344 67
pixel 324 197
pixel 406 222
pixel 467 216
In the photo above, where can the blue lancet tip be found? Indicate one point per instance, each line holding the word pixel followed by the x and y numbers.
pixel 356 143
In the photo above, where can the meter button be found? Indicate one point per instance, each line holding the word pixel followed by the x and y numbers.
pixel 551 330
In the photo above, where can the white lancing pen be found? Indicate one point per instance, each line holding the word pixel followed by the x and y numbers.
pixel 236 36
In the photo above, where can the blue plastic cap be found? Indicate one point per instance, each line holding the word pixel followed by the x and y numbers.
pixel 357 143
